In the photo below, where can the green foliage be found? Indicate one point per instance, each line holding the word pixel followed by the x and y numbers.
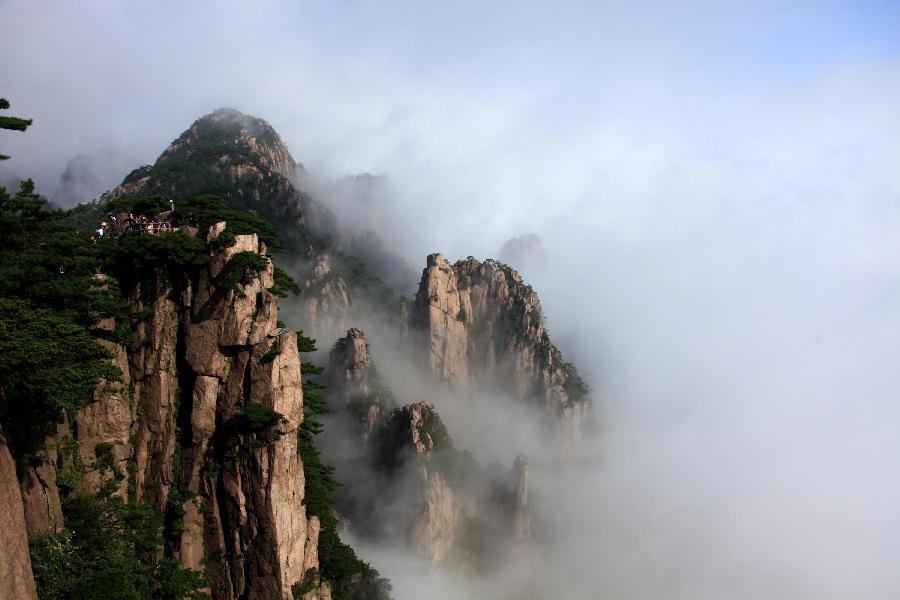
pixel 109 550
pixel 85 217
pixel 456 466
pixel 362 283
pixel 49 264
pixel 105 461
pixel 255 418
pixel 305 344
pixel 461 315
pixel 310 369
pixel 575 387
pixel 379 394
pixel 310 582
pixel 11 123
pixel 272 353
pixel 241 268
pixel 48 363
pixel 207 210
pixel 435 428
pixel 134 252
pixel 350 577
pixel 139 205
pixel 173 516
pixel 284 283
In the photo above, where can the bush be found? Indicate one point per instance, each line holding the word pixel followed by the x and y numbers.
pixel 207 210
pixel 145 205
pixel 109 549
pixel 254 418
pixel 48 363
pixel 284 283
pixel 134 251
pixel 241 268
pixel 273 352
pixel 350 577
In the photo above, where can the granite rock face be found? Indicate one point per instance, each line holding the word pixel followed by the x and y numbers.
pixel 357 387
pixel 436 511
pixel 325 301
pixel 454 512
pixel 16 579
pixel 482 327
pixel 200 354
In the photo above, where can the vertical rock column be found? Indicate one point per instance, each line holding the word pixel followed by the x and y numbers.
pixel 441 315
pixel 16 580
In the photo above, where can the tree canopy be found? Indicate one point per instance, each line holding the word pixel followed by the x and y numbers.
pixel 11 123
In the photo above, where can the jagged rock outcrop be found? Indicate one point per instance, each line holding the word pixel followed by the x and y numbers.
pixel 325 301
pixel 242 483
pixel 521 513
pixel 102 429
pixel 394 448
pixel 203 425
pixel 16 579
pixel 38 482
pixel 455 514
pixel 178 422
pixel 436 511
pixel 356 386
pixel 244 160
pixel 482 326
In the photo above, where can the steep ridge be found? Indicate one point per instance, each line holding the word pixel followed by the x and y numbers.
pixel 243 160
pixel 482 327
pixel 203 426
pixel 16 579
pixel 326 301
pixel 448 510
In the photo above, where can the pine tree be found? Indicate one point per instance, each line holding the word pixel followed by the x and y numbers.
pixel 13 123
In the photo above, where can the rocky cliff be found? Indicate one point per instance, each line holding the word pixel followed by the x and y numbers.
pixel 206 425
pixel 204 422
pixel 325 301
pixel 404 456
pixel 357 388
pixel 481 326
pixel 437 512
pixel 16 580
pixel 243 160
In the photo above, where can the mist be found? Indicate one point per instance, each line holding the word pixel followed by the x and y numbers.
pixel 716 192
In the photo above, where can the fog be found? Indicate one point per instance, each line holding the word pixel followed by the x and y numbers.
pixel 716 191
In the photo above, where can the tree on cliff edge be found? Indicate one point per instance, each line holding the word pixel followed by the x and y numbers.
pixel 14 123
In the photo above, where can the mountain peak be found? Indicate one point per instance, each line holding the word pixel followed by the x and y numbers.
pixel 227 153
pixel 237 137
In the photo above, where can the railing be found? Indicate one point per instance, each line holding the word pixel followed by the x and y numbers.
pixel 157 227
pixel 138 226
